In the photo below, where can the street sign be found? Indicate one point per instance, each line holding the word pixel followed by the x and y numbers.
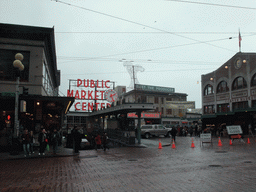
pixel 234 129
pixel 206 138
pixel 8 94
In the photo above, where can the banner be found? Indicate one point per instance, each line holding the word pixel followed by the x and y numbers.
pixel 180 104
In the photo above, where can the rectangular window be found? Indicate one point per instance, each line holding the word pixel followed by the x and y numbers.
pixel 223 108
pixel 162 100
pixel 168 111
pixel 7 71
pixel 156 99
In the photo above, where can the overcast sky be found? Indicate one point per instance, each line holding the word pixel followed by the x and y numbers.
pixel 174 41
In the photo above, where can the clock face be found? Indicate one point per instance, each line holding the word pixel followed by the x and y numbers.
pixel 111 95
pixel 238 63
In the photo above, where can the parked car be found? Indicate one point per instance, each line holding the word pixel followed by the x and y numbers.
pixel 85 144
pixel 155 130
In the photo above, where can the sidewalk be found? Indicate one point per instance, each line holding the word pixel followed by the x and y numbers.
pixel 62 152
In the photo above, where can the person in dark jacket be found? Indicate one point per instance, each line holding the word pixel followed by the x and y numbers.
pixel 43 140
pixel 173 133
pixel 26 143
pixel 55 139
pixel 77 139
pixel 105 141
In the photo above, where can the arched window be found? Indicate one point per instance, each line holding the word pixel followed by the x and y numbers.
pixel 222 87
pixel 239 83
pixel 208 90
pixel 253 81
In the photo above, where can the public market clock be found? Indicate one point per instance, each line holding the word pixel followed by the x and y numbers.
pixel 111 95
pixel 238 63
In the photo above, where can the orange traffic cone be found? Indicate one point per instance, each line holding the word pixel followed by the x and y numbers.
pixel 248 141
pixel 160 144
pixel 219 143
pixel 192 144
pixel 173 144
pixel 230 142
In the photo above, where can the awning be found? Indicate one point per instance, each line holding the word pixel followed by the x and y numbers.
pixel 63 103
pixel 208 116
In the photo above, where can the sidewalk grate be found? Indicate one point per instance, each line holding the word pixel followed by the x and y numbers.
pixel 247 162
pixel 220 151
pixel 215 165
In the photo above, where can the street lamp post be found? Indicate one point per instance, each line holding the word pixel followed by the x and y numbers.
pixel 17 64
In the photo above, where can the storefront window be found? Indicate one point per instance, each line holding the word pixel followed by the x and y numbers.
pixel 209 109
pixel 240 105
pixel 223 108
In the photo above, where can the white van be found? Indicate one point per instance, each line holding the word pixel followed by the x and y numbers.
pixel 155 130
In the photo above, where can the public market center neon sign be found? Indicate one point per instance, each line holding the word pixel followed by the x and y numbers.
pixel 86 89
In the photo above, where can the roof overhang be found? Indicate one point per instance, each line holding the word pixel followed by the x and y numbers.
pixel 124 109
pixel 64 102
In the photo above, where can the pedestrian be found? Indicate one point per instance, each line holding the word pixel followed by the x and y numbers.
pixel 55 136
pixel 105 142
pixel 77 139
pixel 190 131
pixel 26 143
pixel 173 133
pixel 98 142
pixel 32 141
pixel 43 141
pixel 196 129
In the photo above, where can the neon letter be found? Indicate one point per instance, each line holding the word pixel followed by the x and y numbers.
pixel 76 106
pixel 70 94
pixel 106 84
pixel 83 94
pixel 79 82
pixel 77 95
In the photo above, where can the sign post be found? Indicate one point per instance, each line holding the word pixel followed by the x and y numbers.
pixel 206 138
pixel 235 132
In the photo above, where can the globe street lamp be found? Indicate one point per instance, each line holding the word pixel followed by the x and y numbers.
pixel 17 64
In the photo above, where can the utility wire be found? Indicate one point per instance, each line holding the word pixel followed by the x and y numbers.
pixel 215 40
pixel 212 4
pixel 126 20
pixel 146 50
pixel 178 32
pixel 143 72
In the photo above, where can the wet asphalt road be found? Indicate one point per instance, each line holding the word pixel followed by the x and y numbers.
pixel 203 168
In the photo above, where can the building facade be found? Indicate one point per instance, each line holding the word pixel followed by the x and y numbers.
pixel 39 103
pixel 170 107
pixel 229 93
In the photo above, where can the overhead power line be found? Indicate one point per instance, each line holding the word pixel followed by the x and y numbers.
pixel 133 32
pixel 213 4
pixel 143 72
pixel 133 22
pixel 154 49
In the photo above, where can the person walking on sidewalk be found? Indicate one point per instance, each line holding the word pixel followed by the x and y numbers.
pixel 105 142
pixel 77 139
pixel 173 133
pixel 32 141
pixel 98 142
pixel 26 143
pixel 54 139
pixel 43 140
